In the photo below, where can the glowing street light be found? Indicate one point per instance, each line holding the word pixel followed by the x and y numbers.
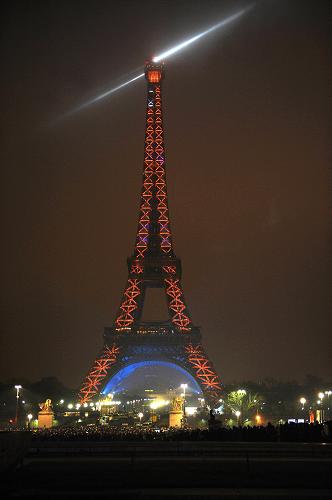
pixel 328 394
pixel 140 416
pixel 29 419
pixel 303 402
pixel 237 414
pixel 184 387
pixel 321 396
pixel 17 387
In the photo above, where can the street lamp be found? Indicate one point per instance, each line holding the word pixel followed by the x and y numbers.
pixel 17 387
pixel 328 394
pixel 237 414
pixel 184 387
pixel 321 397
pixel 303 402
pixel 140 416
pixel 29 419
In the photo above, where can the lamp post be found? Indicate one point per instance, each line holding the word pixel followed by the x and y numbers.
pixel 328 393
pixel 321 397
pixel 17 387
pixel 303 401
pixel 140 416
pixel 29 420
pixel 237 414
pixel 184 387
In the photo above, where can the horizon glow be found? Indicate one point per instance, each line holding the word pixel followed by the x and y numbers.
pixel 164 55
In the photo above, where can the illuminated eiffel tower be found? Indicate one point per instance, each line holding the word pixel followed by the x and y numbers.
pixel 153 265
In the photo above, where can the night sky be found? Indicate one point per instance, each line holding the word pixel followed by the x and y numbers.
pixel 247 126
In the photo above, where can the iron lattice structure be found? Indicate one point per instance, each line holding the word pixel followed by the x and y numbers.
pixel 153 264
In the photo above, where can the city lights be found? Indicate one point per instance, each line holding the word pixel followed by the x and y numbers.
pixel 191 410
pixel 158 403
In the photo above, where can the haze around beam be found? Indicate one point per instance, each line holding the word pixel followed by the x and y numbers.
pixel 164 55
pixel 177 48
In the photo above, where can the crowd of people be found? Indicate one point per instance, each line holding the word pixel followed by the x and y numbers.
pixel 282 433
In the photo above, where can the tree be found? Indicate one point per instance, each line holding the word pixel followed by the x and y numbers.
pixel 243 405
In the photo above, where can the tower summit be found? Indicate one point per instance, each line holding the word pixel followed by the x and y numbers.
pixel 153 264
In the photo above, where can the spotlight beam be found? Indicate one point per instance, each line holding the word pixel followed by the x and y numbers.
pixel 184 44
pixel 163 56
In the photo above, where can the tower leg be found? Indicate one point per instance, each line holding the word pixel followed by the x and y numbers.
pixel 204 373
pixel 98 372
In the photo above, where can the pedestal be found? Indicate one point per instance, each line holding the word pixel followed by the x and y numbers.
pixel 45 419
pixel 175 418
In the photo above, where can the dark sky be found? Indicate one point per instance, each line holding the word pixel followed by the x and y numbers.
pixel 247 118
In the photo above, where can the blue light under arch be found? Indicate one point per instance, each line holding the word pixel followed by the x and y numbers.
pixel 116 380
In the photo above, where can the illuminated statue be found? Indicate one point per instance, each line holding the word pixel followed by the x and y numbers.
pixel 47 406
pixel 177 404
pixel 45 415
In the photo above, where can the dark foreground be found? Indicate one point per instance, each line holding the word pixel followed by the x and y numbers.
pixel 188 470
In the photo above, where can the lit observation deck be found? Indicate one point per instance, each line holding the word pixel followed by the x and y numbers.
pixel 154 72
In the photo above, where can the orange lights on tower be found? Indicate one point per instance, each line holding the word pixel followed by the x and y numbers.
pixel 97 373
pixel 154 72
pixel 154 76
pixel 153 264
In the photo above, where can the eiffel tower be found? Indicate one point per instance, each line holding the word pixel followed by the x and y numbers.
pixel 153 265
